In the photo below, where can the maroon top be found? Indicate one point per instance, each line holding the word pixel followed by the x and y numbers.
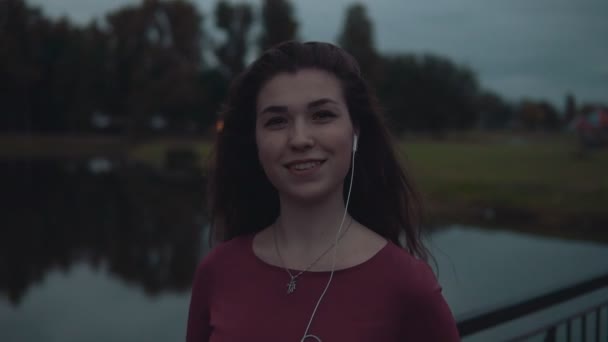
pixel 391 297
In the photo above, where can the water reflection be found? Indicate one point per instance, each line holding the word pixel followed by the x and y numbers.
pixel 104 249
pixel 478 269
pixel 143 223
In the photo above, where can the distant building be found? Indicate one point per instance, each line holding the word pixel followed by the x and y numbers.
pixel 592 126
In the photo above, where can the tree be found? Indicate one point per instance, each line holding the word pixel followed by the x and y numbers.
pixel 148 60
pixel 154 62
pixel 357 37
pixel 278 23
pixel 537 115
pixel 428 93
pixel 494 113
pixel 39 68
pixel 26 62
pixel 551 117
pixel 235 21
pixel 570 108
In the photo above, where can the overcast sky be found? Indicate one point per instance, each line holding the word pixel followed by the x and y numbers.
pixel 538 49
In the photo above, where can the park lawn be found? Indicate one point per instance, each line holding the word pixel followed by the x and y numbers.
pixel 154 152
pixel 35 147
pixel 548 175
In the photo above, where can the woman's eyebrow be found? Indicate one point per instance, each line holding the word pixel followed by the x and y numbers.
pixel 274 109
pixel 321 102
pixel 283 109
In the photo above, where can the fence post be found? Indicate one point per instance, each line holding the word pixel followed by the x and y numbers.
pixel 550 337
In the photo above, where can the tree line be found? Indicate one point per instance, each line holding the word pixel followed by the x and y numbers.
pixel 152 68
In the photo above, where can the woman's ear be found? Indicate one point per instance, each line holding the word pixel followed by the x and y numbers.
pixel 355 142
pixel 356 131
pixel 356 139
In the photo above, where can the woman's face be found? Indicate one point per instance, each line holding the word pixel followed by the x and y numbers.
pixel 304 134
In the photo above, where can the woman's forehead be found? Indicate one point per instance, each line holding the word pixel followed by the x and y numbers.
pixel 300 89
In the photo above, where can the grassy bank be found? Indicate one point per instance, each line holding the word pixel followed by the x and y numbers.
pixel 535 175
pixel 524 180
pixel 531 180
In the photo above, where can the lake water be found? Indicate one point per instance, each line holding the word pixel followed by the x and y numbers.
pixel 482 269
pixel 107 254
pixel 478 269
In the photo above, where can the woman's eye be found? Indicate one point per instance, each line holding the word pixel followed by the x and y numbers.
pixel 276 121
pixel 324 115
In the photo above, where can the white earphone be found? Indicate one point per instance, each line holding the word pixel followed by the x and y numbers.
pixel 307 335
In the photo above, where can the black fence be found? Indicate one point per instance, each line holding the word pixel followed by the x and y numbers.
pixel 591 315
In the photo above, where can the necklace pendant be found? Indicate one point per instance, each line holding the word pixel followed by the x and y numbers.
pixel 291 286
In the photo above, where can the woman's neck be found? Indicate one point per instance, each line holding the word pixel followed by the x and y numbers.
pixel 305 228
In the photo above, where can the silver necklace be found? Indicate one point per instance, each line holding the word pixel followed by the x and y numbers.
pixel 291 286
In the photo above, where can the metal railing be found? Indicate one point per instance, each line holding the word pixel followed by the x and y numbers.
pixel 482 322
pixel 550 331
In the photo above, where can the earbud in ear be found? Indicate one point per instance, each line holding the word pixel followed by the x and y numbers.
pixel 355 141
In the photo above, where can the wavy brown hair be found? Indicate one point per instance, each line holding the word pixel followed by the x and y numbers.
pixel 242 199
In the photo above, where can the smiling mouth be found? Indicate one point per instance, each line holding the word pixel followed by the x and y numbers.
pixel 303 166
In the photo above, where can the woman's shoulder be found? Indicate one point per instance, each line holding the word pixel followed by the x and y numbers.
pixel 226 253
pixel 412 274
pixel 417 285
pixel 395 264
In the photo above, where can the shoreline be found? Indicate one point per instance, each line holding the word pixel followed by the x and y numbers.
pixel 535 185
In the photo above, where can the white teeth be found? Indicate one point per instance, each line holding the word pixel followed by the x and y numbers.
pixel 305 166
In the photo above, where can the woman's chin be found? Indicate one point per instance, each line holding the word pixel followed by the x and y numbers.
pixel 310 195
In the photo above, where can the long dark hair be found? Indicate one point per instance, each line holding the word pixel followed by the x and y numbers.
pixel 242 199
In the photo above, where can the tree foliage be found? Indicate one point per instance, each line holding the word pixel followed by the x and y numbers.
pixel 278 23
pixel 235 20
pixel 357 37
pixel 571 110
pixel 154 60
pixel 147 61
pixel 428 93
pixel 494 112
pixel 537 115
pixel 39 69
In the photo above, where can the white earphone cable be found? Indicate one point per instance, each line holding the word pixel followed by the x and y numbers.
pixel 333 267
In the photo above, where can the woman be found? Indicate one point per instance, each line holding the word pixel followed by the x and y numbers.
pixel 319 221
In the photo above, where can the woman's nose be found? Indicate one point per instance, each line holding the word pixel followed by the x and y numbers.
pixel 301 136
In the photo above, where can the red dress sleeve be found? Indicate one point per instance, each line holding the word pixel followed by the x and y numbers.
pixel 432 319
